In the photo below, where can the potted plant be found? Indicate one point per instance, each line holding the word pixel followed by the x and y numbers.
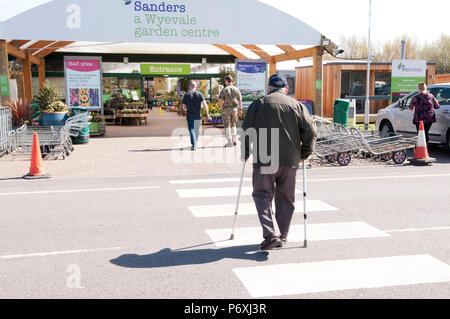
pixel 97 125
pixel 21 112
pixel 51 110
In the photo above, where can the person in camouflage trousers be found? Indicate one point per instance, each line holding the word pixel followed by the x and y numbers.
pixel 230 101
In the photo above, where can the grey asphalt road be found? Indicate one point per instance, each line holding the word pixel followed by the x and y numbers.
pixel 134 237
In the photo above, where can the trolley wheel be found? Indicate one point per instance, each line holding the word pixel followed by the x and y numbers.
pixel 344 159
pixel 331 158
pixel 399 157
pixel 386 156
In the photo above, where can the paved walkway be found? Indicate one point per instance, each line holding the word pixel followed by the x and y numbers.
pixel 162 148
pixel 155 149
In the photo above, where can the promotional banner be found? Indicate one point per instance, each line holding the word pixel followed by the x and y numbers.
pixel 84 82
pixel 251 79
pixel 406 75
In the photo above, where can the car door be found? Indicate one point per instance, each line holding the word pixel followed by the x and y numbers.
pixel 438 131
pixel 404 116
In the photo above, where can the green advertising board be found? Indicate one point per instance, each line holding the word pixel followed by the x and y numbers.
pixel 166 69
pixel 4 85
pixel 406 75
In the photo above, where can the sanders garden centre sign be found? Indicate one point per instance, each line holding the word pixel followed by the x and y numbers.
pixel 172 21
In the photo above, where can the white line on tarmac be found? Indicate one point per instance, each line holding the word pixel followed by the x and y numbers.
pixel 250 209
pixel 316 232
pixel 337 275
pixel 208 180
pixel 375 178
pixel 215 192
pixel 81 190
pixel 249 179
pixel 417 229
pixel 60 253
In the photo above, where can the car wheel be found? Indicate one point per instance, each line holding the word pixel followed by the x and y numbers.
pixel 386 129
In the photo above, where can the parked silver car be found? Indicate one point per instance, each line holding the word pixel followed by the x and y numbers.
pixel 397 118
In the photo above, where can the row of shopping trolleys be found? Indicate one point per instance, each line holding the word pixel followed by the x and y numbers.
pixel 337 143
pixel 54 141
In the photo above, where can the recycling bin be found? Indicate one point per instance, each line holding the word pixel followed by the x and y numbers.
pixel 83 136
pixel 340 111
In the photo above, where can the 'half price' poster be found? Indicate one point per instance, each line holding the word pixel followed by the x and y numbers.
pixel 83 82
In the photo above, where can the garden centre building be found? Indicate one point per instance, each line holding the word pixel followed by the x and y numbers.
pixel 154 46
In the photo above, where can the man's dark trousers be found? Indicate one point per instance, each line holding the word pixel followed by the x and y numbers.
pixel 281 186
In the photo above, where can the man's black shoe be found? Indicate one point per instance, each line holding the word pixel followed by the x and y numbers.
pixel 270 243
pixel 283 242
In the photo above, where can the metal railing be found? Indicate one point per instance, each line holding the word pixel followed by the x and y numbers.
pixel 5 130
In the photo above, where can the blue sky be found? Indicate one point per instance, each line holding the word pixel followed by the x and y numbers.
pixel 424 20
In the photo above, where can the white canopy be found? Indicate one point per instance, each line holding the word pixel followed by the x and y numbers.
pixel 168 21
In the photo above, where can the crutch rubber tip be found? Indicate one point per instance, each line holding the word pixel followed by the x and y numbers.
pixel 305 244
pixel 232 237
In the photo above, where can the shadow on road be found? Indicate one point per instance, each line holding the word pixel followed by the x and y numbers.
pixel 440 152
pixel 169 258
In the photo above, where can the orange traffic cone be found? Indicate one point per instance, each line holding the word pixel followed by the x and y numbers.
pixel 37 170
pixel 421 156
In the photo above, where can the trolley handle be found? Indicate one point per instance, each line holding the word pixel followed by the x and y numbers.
pixel 358 133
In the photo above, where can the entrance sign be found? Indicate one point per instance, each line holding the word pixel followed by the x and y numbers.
pixel 406 75
pixel 84 82
pixel 251 79
pixel 166 69
pixel 160 21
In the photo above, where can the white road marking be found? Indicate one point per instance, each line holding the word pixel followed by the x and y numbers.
pixel 80 190
pixel 374 178
pixel 316 277
pixel 214 192
pixel 417 229
pixel 249 209
pixel 208 180
pixel 316 232
pixel 312 180
pixel 60 253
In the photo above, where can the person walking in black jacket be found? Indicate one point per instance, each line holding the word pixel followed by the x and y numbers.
pixel 279 133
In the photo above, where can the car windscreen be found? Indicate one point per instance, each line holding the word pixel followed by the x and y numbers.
pixel 442 95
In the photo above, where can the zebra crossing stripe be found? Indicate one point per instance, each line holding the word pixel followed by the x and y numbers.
pixel 208 180
pixel 336 275
pixel 249 209
pixel 316 232
pixel 215 192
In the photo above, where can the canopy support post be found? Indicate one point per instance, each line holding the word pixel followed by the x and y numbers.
pixel 27 77
pixel 41 71
pixel 318 80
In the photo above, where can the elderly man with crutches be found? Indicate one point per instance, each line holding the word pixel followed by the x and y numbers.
pixel 279 133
